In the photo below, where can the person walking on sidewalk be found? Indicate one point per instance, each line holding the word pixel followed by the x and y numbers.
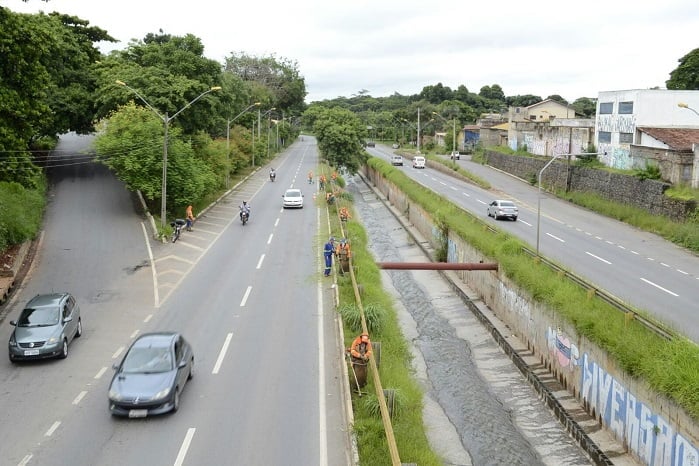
pixel 328 252
pixel 189 217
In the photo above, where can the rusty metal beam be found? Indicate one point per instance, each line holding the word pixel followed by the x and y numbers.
pixel 437 266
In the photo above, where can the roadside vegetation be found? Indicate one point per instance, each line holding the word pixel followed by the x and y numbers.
pixel 394 361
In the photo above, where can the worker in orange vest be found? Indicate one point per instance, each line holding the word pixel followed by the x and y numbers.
pixel 361 347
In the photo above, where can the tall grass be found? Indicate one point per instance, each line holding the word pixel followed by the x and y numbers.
pixel 395 365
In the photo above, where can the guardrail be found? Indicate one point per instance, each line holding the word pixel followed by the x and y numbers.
pixel 612 300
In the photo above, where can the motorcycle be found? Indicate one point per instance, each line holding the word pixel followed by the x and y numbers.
pixel 244 217
pixel 177 225
pixel 272 176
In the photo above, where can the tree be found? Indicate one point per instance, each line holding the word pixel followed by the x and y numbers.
pixel 436 94
pixel 557 98
pixel 585 106
pixel 168 72
pixel 686 75
pixel 523 100
pixel 493 92
pixel 340 134
pixel 280 76
pixel 130 143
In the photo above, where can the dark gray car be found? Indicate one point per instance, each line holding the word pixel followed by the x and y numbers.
pixel 151 376
pixel 45 328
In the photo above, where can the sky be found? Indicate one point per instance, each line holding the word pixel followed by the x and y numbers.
pixel 383 47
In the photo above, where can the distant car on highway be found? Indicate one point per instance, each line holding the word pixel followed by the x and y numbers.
pixel 455 155
pixel 503 209
pixel 46 326
pixel 397 160
pixel 418 161
pixel 370 144
pixel 395 145
pixel 292 198
pixel 151 377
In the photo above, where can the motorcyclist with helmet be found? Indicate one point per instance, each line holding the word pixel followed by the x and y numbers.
pixel 272 174
pixel 244 208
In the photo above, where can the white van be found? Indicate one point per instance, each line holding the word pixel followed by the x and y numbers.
pixel 418 161
pixel 397 160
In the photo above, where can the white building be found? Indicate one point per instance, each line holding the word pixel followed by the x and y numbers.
pixel 621 113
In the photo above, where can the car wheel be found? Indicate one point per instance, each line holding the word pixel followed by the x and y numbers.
pixel 176 401
pixel 64 351
pixel 12 359
pixel 79 330
pixel 514 219
pixel 190 376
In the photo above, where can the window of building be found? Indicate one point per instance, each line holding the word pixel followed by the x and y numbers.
pixel 626 108
pixel 606 108
pixel 626 138
pixel 605 137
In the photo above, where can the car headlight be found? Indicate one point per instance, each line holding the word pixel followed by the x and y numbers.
pixel 52 340
pixel 161 394
pixel 115 395
pixel 12 341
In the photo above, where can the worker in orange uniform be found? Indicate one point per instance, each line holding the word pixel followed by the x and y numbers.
pixel 310 177
pixel 361 347
pixel 334 176
pixel 343 254
pixel 321 182
pixel 344 214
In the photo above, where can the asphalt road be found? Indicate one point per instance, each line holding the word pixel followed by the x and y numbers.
pixel 639 268
pixel 250 299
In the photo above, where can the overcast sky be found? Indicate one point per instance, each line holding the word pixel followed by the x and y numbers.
pixel 574 49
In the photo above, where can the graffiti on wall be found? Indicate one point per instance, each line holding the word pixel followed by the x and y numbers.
pixel 616 157
pixel 647 434
pixel 617 123
pixel 560 347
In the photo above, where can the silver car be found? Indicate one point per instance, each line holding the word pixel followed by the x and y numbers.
pixel 503 209
pixel 292 198
pixel 45 328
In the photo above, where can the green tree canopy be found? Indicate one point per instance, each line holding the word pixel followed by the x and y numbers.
pixel 686 75
pixel 168 72
pixel 340 134
pixel 131 144
pixel 279 77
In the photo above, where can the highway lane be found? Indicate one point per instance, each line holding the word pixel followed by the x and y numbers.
pixel 89 218
pixel 639 268
pixel 271 397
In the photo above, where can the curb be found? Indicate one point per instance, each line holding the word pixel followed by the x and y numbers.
pixel 7 283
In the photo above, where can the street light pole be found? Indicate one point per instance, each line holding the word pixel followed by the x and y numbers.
pixel 684 105
pixel 166 122
pixel 228 139
pixel 418 130
pixel 453 139
pixel 259 120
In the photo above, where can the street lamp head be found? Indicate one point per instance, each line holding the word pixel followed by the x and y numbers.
pixel 682 105
pixel 121 83
pixel 257 104
pixel 216 88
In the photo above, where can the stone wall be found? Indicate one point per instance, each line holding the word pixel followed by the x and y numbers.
pixel 651 426
pixel 626 189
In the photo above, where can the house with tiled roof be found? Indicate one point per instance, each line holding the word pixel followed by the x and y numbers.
pixel 675 150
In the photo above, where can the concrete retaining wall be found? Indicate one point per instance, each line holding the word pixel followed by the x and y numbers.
pixel 626 189
pixel 651 426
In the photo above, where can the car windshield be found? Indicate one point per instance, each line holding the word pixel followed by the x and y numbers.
pixel 147 360
pixel 293 194
pixel 506 204
pixel 41 317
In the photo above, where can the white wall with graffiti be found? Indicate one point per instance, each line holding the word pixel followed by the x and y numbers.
pixel 646 433
pixel 620 113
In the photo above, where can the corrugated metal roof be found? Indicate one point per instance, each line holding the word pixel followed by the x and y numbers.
pixel 675 138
